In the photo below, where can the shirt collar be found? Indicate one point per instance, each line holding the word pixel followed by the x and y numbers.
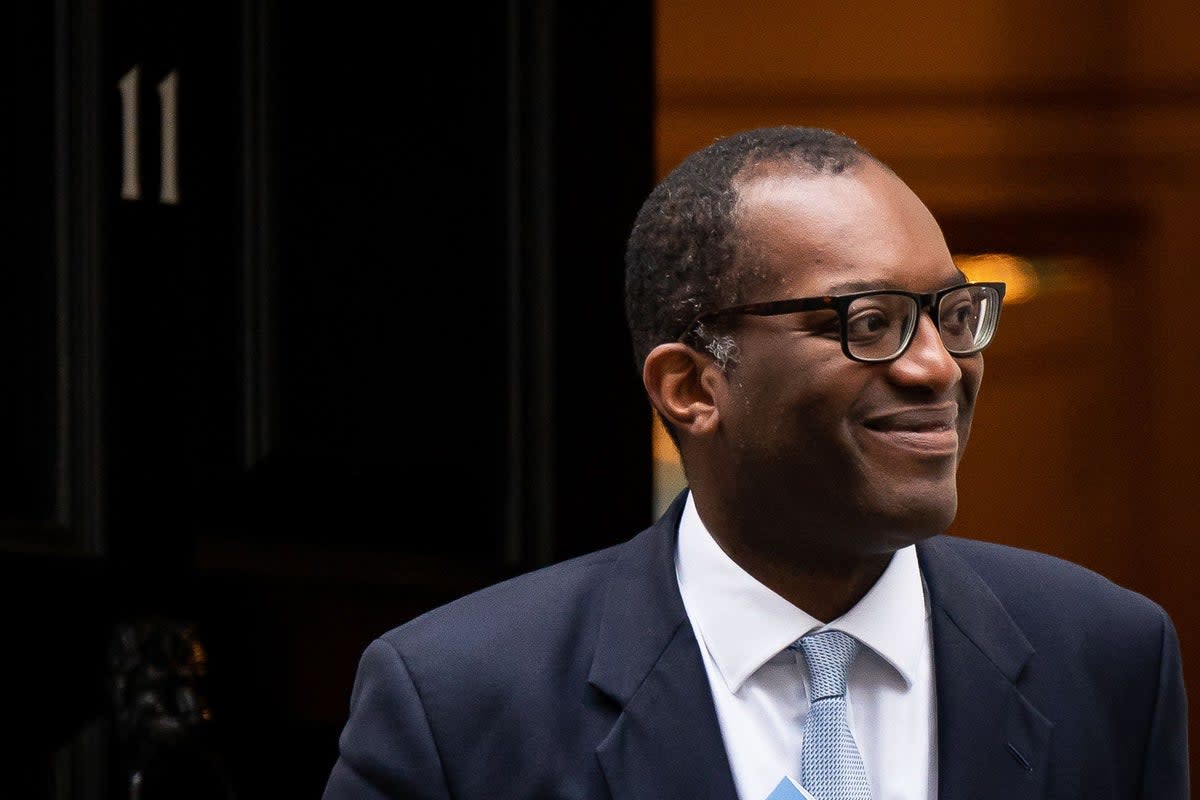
pixel 744 624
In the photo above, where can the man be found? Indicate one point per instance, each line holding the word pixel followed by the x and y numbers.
pixel 795 625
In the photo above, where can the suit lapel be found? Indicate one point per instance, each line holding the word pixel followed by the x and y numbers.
pixel 666 742
pixel 993 744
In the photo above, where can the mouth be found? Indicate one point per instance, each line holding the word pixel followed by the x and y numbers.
pixel 926 430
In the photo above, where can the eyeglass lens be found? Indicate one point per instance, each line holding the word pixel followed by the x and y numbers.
pixel 879 326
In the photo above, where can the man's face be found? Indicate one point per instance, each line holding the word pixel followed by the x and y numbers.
pixel 855 458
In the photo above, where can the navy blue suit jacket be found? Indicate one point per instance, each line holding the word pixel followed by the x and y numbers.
pixel 584 680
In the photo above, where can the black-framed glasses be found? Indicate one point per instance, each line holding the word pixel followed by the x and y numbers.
pixel 878 326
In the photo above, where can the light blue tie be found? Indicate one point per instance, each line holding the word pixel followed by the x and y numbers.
pixel 831 766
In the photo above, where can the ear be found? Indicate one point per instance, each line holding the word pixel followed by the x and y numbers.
pixel 684 386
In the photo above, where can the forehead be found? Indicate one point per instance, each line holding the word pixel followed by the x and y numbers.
pixel 812 234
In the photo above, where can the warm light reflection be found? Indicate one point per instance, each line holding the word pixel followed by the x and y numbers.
pixel 669 479
pixel 664 449
pixel 1018 273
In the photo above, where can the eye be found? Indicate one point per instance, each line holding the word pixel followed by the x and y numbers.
pixel 961 317
pixel 868 324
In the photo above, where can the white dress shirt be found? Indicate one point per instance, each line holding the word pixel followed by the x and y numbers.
pixel 760 687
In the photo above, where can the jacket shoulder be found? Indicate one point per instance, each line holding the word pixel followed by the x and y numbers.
pixel 1042 588
pixel 558 605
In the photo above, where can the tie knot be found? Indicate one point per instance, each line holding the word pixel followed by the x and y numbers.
pixel 828 655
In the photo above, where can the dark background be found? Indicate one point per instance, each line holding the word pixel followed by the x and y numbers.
pixel 373 358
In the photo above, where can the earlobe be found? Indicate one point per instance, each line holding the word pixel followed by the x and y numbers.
pixel 683 385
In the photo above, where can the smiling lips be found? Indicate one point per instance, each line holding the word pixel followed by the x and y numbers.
pixel 929 430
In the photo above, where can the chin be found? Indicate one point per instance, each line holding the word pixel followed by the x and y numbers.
pixel 914 515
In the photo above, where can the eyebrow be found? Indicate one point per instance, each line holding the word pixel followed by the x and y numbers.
pixel 848 287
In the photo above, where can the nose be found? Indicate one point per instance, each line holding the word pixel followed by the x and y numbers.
pixel 926 363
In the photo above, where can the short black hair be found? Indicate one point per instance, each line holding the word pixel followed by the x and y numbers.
pixel 679 260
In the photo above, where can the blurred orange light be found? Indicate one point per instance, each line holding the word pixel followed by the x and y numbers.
pixel 1020 275
pixel 664 449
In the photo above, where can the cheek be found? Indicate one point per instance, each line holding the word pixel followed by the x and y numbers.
pixel 972 379
pixel 797 394
pixel 972 369
pixel 818 413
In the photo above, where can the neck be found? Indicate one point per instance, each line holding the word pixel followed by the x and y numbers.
pixel 824 587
